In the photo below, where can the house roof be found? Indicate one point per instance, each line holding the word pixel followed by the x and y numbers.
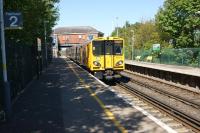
pixel 76 29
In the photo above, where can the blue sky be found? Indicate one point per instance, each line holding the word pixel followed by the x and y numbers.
pixel 103 14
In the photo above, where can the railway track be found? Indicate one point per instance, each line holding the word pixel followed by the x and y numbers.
pixel 179 106
pixel 183 94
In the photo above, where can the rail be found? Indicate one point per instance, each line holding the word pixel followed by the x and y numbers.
pixel 186 119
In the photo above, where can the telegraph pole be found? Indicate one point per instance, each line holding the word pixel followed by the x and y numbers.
pixel 7 97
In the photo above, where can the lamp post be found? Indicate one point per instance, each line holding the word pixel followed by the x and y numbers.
pixel 197 30
pixel 133 39
pixel 45 41
pixel 7 97
pixel 198 36
pixel 117 27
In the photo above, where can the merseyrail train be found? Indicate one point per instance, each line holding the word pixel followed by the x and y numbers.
pixel 102 56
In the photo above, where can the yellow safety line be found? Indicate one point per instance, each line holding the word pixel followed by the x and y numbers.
pixel 109 114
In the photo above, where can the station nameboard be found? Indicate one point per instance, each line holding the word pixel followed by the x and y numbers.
pixel 156 47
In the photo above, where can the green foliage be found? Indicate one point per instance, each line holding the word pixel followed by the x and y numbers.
pixel 140 35
pixel 183 56
pixel 36 14
pixel 178 20
pixel 177 23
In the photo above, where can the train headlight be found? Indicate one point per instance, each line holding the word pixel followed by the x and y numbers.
pixel 119 63
pixel 96 63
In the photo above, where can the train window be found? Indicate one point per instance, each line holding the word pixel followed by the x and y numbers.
pixel 108 47
pixel 98 47
pixel 118 46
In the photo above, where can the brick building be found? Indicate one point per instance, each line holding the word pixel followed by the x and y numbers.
pixel 68 36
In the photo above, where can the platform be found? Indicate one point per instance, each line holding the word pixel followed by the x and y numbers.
pixel 171 68
pixel 67 99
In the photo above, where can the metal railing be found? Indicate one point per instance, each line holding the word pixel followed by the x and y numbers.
pixel 24 63
pixel 183 57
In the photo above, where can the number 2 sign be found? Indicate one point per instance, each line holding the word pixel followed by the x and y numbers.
pixel 13 20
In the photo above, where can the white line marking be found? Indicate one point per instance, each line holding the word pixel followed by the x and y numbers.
pixel 163 125
pixel 160 123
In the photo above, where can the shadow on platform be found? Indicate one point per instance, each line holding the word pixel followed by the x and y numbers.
pixel 58 103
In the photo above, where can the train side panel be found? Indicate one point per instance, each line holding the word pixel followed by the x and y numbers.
pixel 84 55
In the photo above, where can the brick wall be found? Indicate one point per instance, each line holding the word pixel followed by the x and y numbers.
pixel 74 38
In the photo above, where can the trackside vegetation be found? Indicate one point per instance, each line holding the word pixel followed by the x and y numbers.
pixel 24 61
pixel 176 27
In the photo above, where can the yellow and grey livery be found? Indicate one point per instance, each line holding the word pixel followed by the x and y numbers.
pixel 103 56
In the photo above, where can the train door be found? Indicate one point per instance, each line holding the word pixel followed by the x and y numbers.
pixel 108 60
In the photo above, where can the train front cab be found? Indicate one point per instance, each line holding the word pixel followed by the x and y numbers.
pixel 108 57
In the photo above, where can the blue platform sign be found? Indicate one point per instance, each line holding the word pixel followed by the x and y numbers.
pixel 13 20
pixel 90 37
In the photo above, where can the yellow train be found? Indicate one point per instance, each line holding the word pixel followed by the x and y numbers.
pixel 103 56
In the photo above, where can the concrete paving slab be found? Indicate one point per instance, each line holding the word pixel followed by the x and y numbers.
pixel 66 99
pixel 57 104
pixel 130 118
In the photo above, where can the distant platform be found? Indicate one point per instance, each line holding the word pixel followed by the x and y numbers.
pixel 171 68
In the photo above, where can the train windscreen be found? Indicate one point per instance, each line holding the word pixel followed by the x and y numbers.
pixel 108 47
pixel 118 47
pixel 98 47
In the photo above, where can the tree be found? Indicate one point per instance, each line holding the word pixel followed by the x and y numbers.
pixel 145 34
pixel 177 21
pixel 35 13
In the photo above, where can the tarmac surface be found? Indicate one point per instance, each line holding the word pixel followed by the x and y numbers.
pixel 66 99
